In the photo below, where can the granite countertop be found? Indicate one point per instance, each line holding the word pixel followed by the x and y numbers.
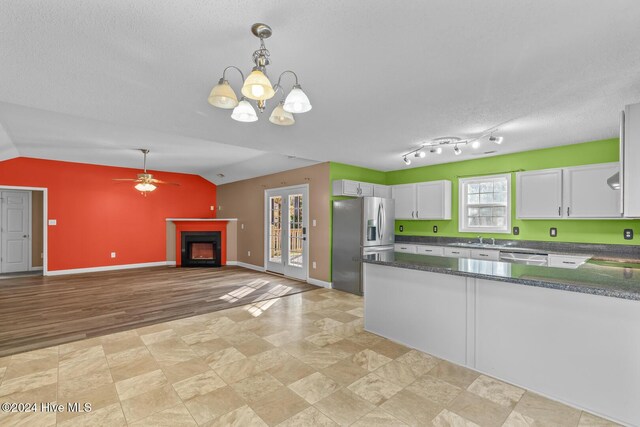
pixel 589 278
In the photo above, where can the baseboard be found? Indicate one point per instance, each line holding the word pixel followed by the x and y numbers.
pixel 35 269
pixel 250 266
pixel 232 263
pixel 317 282
pixel 105 268
pixel 171 263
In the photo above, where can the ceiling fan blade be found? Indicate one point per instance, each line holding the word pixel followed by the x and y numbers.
pixel 126 179
pixel 157 181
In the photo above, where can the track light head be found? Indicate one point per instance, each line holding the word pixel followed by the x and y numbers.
pixel 421 154
pixel 457 151
pixel 496 139
pixel 475 144
pixel 406 161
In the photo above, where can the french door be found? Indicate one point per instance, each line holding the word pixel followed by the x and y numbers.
pixel 286 244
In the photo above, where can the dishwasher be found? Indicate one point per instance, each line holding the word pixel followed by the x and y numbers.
pixel 525 258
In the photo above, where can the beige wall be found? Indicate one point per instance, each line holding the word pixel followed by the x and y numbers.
pixel 245 200
pixel 37 228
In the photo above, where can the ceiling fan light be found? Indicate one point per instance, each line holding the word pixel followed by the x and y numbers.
pixel 281 117
pixel 145 187
pixel 257 86
pixel 223 96
pixel 244 112
pixel 297 101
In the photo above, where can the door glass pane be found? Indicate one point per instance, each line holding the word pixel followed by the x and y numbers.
pixel 296 243
pixel 275 229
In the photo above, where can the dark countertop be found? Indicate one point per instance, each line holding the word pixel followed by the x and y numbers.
pixel 625 254
pixel 589 278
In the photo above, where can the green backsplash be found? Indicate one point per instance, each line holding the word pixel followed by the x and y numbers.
pixel 582 231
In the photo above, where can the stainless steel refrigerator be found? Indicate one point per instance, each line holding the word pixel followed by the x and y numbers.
pixel 360 226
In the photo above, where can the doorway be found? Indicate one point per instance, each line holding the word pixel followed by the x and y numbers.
pixel 286 242
pixel 21 231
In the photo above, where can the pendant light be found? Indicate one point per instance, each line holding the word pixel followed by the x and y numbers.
pixel 281 117
pixel 244 112
pixel 257 87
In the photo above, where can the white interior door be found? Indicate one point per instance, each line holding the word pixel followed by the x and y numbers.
pixel 286 231
pixel 15 228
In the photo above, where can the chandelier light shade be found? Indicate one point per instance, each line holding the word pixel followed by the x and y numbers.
pixel 257 87
pixel 281 117
pixel 223 96
pixel 244 112
pixel 297 101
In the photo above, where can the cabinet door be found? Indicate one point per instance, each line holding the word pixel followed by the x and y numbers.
pixel 433 200
pixel 587 194
pixel 344 187
pixel 405 198
pixel 366 189
pixel 382 191
pixel 539 194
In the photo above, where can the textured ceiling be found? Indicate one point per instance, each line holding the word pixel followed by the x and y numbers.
pixel 91 81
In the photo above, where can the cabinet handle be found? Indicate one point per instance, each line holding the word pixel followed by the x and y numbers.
pixel 483 254
pixel 412 214
pixel 454 252
pixel 568 262
pixel 416 214
pixel 568 211
pixel 559 210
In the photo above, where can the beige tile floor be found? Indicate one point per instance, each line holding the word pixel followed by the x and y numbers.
pixel 302 360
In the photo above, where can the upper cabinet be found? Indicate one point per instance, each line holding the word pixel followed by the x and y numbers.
pixel 424 200
pixel 433 200
pixel 345 187
pixel 383 191
pixel 629 178
pixel 539 194
pixel 575 192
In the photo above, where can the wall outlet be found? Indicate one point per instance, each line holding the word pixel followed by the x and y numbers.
pixel 113 254
pixel 435 228
pixel 553 232
pixel 401 228
pixel 628 234
pixel 313 264
pixel 516 231
pixel 213 208
pixel 53 222
pixel 248 253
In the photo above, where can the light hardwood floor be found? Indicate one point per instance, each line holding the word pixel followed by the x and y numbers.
pixel 37 312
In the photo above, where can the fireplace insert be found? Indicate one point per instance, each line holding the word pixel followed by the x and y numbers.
pixel 201 249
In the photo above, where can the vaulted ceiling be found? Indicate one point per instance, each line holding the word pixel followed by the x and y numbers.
pixel 91 81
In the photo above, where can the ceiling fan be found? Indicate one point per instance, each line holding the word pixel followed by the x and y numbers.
pixel 145 183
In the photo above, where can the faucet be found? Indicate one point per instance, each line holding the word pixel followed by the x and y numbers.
pixel 493 241
pixel 480 239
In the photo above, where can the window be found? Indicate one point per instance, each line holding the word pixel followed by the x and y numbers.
pixel 485 204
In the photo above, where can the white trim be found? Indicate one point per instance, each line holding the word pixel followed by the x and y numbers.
pixel 250 266
pixel 36 268
pixel 232 263
pixel 106 268
pixel 171 263
pixel 201 219
pixel 321 283
pixel 45 220
pixel 462 205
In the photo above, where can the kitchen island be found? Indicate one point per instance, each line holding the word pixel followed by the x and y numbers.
pixel 572 335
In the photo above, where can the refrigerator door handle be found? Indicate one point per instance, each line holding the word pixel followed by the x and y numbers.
pixel 380 223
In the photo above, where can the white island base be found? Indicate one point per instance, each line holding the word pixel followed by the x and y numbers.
pixel 576 348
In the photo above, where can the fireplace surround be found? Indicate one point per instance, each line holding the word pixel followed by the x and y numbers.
pixel 201 249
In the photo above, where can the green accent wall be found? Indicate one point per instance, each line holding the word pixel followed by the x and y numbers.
pixel 582 231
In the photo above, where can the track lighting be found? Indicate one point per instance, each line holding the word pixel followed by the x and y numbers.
pixel 420 154
pixel 457 151
pixel 438 145
pixel 439 150
pixel 407 161
pixel 475 144
pixel 496 139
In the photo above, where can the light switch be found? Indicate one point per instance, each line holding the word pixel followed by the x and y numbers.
pixel 553 232
pixel 313 222
pixel 242 226
pixel 53 222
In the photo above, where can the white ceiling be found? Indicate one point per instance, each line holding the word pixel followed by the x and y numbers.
pixel 91 81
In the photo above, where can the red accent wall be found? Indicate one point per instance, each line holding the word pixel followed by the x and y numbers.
pixel 96 215
pixel 220 226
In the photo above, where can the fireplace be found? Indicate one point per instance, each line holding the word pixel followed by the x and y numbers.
pixel 201 249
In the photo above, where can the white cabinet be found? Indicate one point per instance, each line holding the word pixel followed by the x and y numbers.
pixel 405 200
pixel 345 187
pixel 587 194
pixel 433 200
pixel 430 250
pixel 539 194
pixel 457 252
pixel 382 191
pixel 571 193
pixel 405 248
pixel 424 200
pixel 566 261
pixel 630 160
pixel 486 254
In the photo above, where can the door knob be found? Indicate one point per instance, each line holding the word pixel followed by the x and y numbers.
pixel 25 236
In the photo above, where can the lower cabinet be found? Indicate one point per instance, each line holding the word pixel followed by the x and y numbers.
pixel 405 248
pixel 457 252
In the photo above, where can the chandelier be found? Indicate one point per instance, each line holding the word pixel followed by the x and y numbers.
pixel 257 87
